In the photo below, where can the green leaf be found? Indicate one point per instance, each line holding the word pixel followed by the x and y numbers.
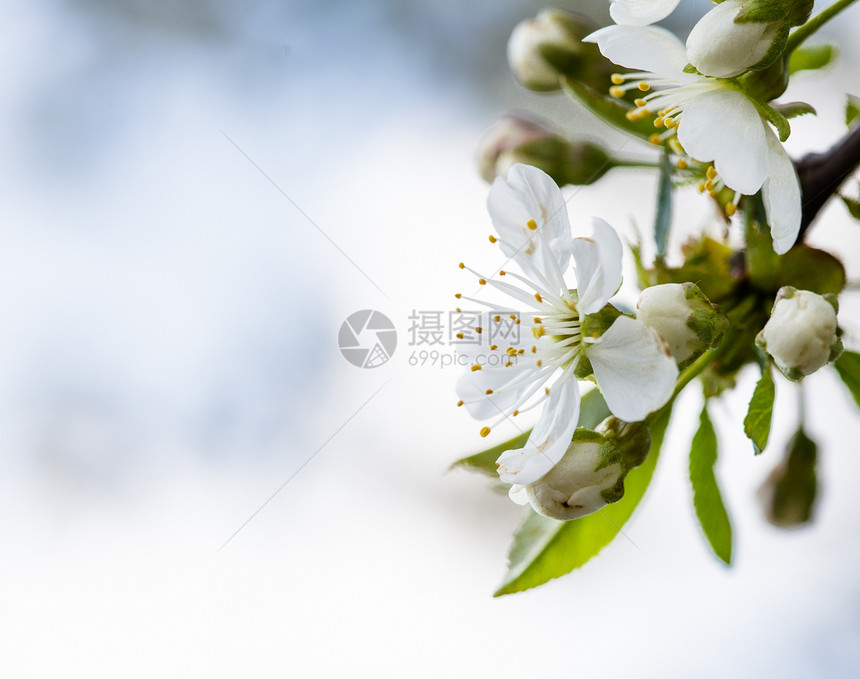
pixel 544 549
pixel 853 206
pixel 608 109
pixel 706 492
pixel 848 367
pixel 810 58
pixel 760 413
pixel 663 220
pixel 793 109
pixel 852 109
pixel 592 411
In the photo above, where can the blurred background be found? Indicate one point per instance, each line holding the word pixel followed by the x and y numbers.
pixel 194 482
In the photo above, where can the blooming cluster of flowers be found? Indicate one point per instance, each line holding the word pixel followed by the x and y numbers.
pixel 708 103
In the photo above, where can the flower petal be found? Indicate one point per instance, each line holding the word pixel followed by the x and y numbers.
pixel 519 494
pixel 641 12
pixel 530 195
pixel 633 369
pixel 508 387
pixel 644 48
pixel 597 261
pixel 723 126
pixel 549 439
pixel 781 194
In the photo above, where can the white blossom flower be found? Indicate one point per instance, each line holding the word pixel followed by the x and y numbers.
pixel 641 12
pixel 713 118
pixel 801 332
pixel 629 360
pixel 720 47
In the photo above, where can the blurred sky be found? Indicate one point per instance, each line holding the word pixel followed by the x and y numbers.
pixel 193 196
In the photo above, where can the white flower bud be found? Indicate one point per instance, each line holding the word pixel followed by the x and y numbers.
pixel 588 477
pixel 683 317
pixel 801 332
pixel 539 48
pixel 719 46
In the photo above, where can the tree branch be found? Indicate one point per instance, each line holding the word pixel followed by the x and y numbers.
pixel 821 174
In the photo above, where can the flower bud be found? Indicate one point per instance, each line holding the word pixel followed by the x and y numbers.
pixel 588 477
pixel 515 139
pixel 543 49
pixel 684 317
pixel 727 41
pixel 788 494
pixel 801 334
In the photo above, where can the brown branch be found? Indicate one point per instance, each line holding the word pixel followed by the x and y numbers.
pixel 821 174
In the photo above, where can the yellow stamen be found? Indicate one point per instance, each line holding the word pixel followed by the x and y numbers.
pixel 488 392
pixel 617 79
pixel 459 403
pixel 682 164
pixel 539 364
pixel 538 297
pixel 459 335
pixel 532 224
pixel 643 86
pixel 497 318
pixel 457 295
pixel 493 239
pixel 461 265
pixel 515 413
pixel 485 432
pixel 501 273
pixel 475 368
pixel 711 172
pixel 479 330
pixel 481 281
pixel 493 347
pixel 731 209
pixel 640 102
pixel 655 139
pixel 616 92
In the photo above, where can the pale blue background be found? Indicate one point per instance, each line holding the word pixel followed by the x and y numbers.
pixel 168 360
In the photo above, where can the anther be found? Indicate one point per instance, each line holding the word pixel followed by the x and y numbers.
pixel 485 432
pixel 475 368
pixel 617 79
pixel 459 403
pixel 493 239
pixel 643 86
pixel 462 265
pixel 488 392
pixel 481 281
pixel 532 224
pixel 616 92
pixel 538 297
pixel 711 172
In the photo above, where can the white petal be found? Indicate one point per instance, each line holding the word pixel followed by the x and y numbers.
pixel 597 261
pixel 519 494
pixel 723 126
pixel 641 12
pixel 508 385
pixel 530 194
pixel 781 194
pixel 645 48
pixel 633 369
pixel 549 439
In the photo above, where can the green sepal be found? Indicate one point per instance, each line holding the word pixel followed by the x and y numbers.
pixel 761 12
pixel 594 325
pixel 790 490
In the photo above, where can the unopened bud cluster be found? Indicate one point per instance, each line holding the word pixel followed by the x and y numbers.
pixel 591 473
pixel 684 317
pixel 801 334
pixel 516 139
pixel 548 47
